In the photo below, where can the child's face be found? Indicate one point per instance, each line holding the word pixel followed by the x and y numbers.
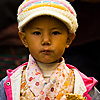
pixel 46 37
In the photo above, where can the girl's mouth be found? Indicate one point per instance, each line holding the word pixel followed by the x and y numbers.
pixel 46 52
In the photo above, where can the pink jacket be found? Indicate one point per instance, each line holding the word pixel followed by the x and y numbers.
pixel 88 81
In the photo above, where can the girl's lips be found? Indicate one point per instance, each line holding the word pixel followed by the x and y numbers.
pixel 46 52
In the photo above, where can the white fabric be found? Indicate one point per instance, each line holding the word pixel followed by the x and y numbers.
pixel 47 69
pixel 16 79
pixel 62 15
pixel 79 84
pixel 15 82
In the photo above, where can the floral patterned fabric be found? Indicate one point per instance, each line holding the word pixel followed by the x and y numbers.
pixel 34 86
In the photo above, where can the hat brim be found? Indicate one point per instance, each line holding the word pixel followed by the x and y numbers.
pixel 62 15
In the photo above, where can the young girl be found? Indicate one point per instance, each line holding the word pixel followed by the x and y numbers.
pixel 46 28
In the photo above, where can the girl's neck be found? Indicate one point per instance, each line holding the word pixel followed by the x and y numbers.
pixel 47 69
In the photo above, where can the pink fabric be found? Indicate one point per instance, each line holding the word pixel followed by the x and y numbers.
pixel 8 89
pixel 89 81
pixel 10 71
pixel 60 82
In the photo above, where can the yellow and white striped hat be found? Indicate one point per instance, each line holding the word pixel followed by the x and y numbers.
pixel 60 9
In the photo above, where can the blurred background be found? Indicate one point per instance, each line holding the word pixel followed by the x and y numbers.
pixel 12 51
pixel 84 53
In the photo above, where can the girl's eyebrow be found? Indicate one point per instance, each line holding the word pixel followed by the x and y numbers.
pixel 35 28
pixel 56 28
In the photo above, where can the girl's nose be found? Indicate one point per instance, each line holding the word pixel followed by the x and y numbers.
pixel 46 40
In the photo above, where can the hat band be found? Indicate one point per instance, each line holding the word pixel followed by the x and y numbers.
pixel 65 16
pixel 40 3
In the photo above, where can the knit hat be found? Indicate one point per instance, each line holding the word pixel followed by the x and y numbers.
pixel 60 9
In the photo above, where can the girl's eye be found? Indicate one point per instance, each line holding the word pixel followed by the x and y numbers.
pixel 56 33
pixel 36 33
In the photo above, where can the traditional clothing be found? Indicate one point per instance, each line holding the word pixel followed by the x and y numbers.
pixel 27 83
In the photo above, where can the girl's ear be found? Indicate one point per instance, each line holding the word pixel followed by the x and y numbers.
pixel 71 37
pixel 23 38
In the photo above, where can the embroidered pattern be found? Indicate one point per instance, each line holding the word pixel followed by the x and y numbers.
pixel 34 86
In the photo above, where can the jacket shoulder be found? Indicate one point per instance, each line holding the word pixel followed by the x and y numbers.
pixel 90 83
pixel 87 80
pixel 10 72
pixel 3 82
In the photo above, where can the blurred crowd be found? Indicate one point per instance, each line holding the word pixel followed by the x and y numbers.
pixel 83 53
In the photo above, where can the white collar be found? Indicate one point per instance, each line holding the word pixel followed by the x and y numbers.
pixel 16 79
pixel 79 87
